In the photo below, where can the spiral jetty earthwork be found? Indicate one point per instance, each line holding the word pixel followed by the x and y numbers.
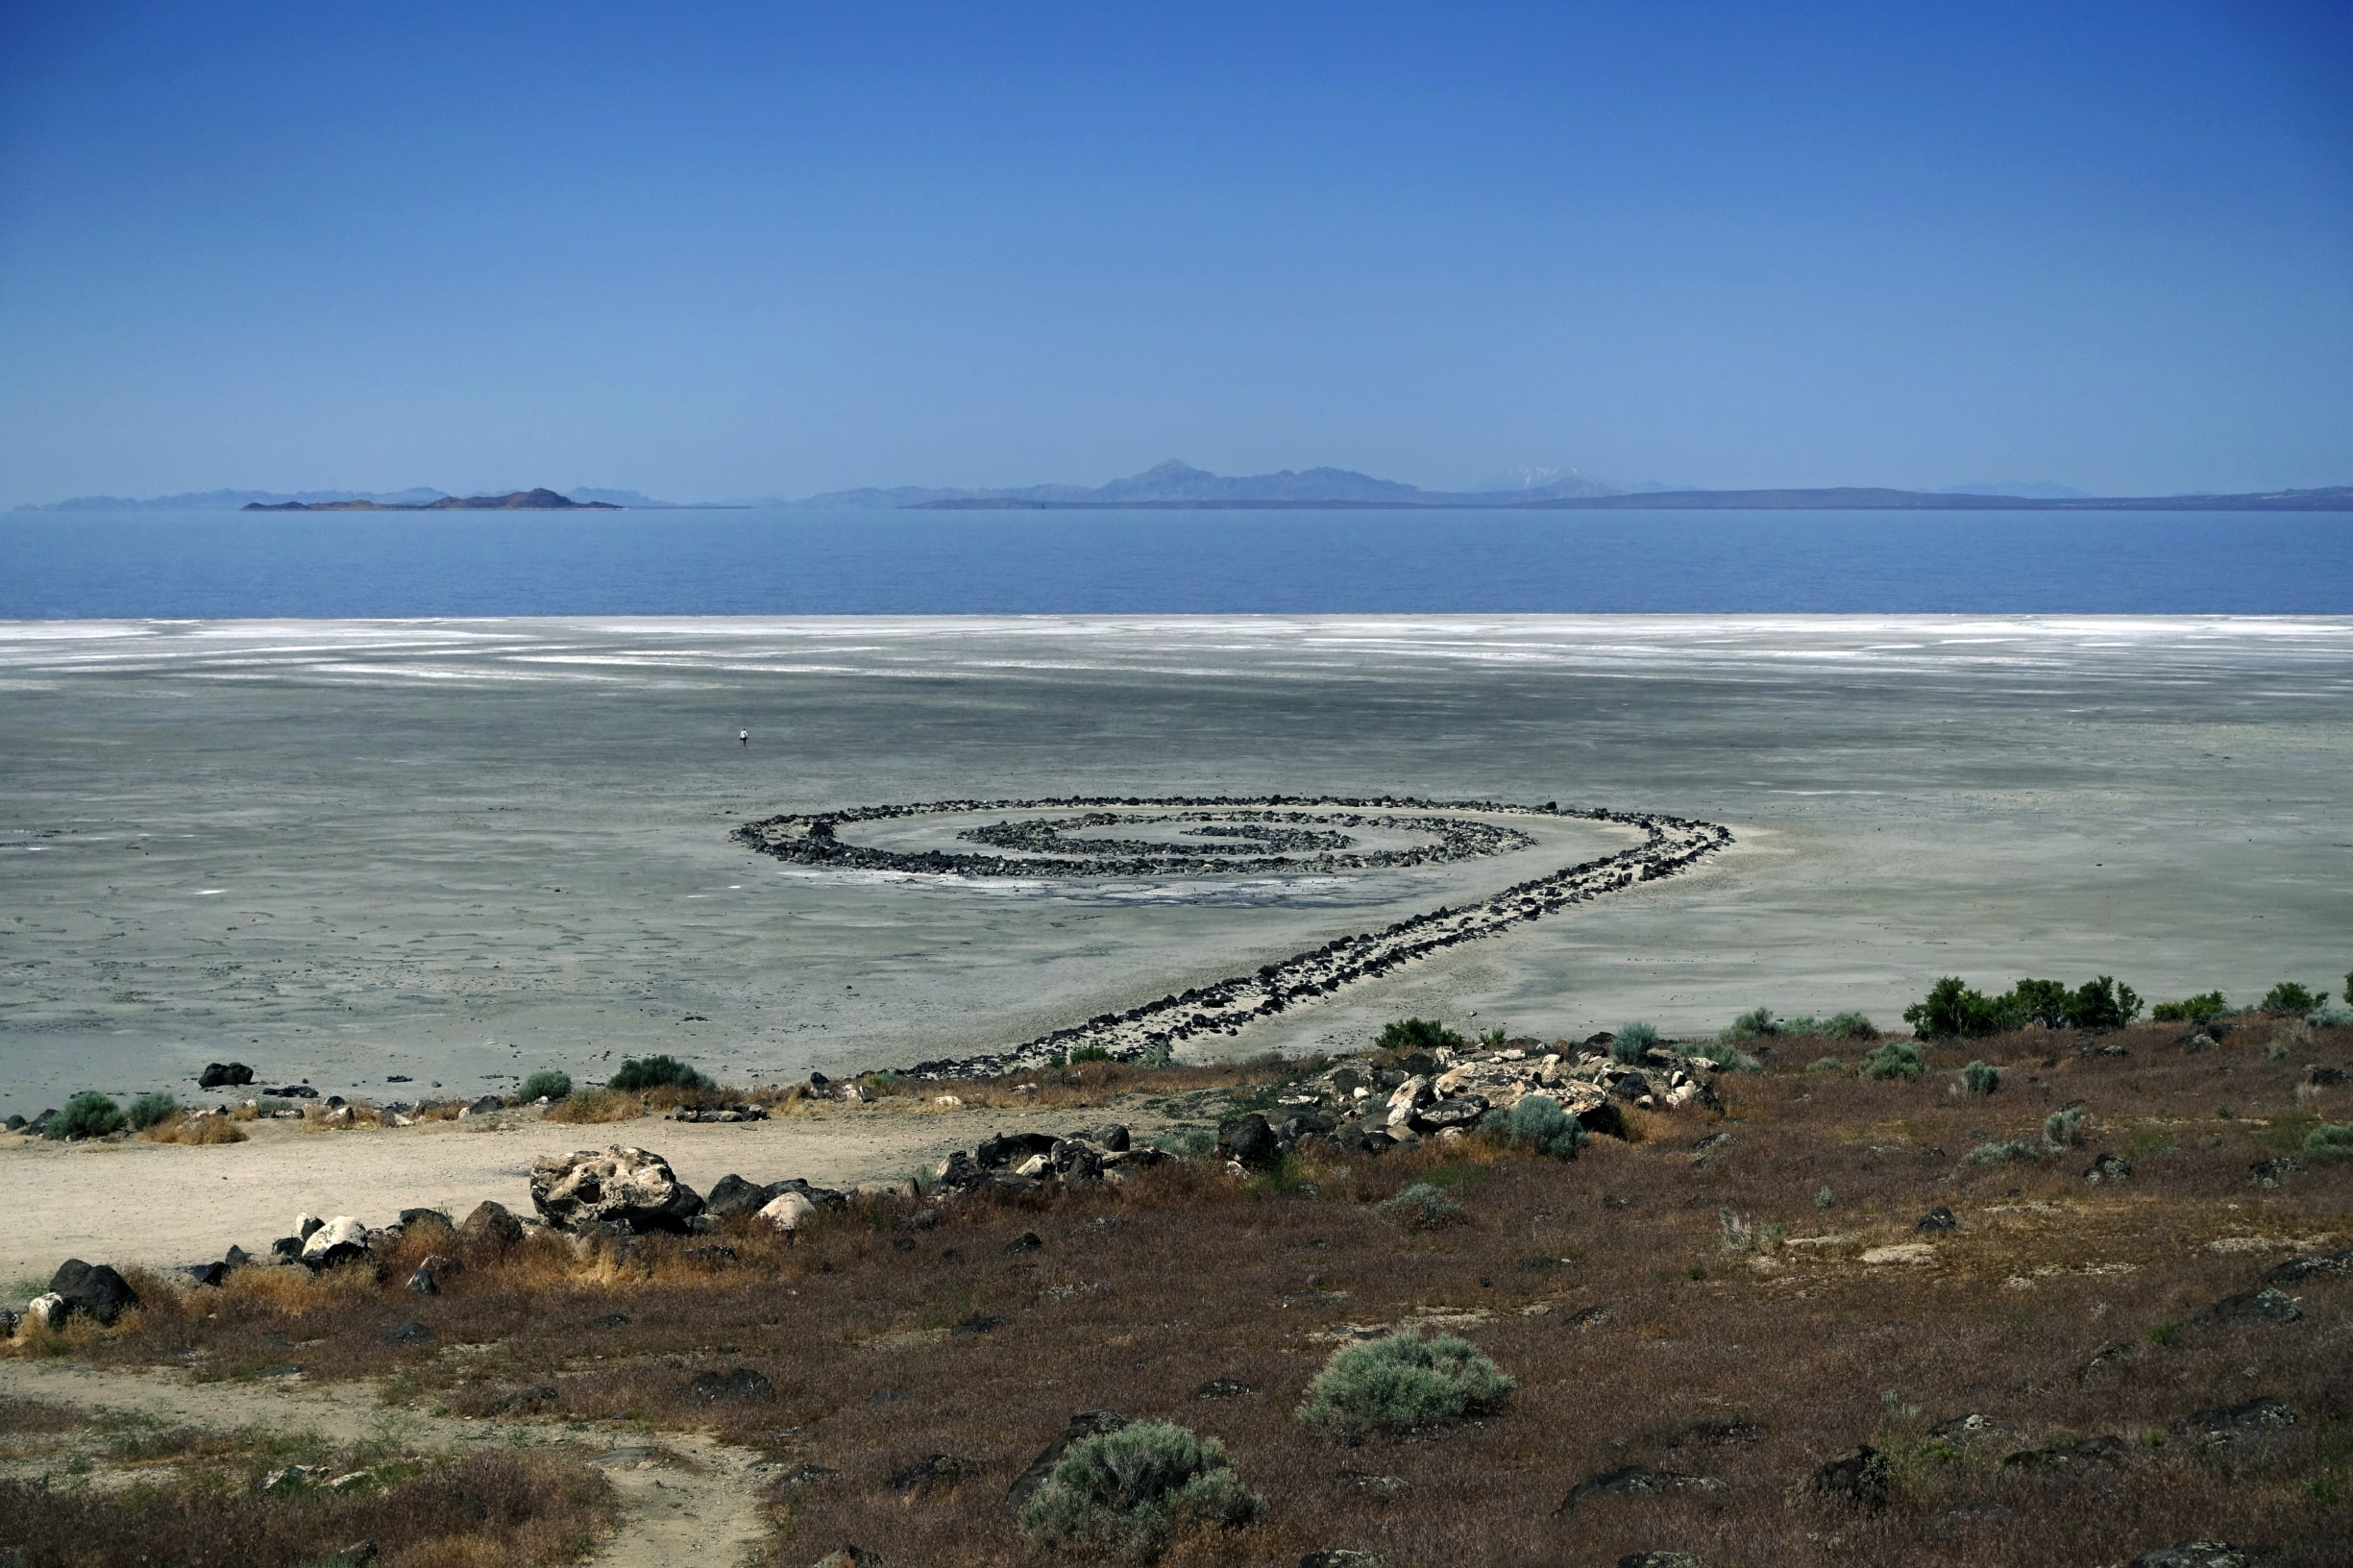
pixel 1258 835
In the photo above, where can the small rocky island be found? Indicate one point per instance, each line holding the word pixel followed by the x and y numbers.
pixel 517 501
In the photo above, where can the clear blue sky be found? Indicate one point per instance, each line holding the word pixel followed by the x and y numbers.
pixel 726 250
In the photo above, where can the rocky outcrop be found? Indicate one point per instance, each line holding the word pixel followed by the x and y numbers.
pixel 620 1187
pixel 224 1075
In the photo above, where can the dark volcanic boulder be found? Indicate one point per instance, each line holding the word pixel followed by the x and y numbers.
pixel 224 1075
pixel 93 1290
pixel 1084 1424
pixel 490 1228
pixel 742 1383
pixel 2192 1555
pixel 1249 1140
pixel 1012 1149
pixel 731 1195
pixel 1860 1475
pixel 1938 1219
pixel 2222 1427
pixel 617 1185
pixel 2265 1305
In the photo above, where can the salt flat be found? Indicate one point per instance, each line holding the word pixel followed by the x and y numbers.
pixel 454 851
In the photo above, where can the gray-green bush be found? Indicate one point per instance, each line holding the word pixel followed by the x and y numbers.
pixel 2064 1129
pixel 549 1083
pixel 1402 1379
pixel 1422 1207
pixel 87 1114
pixel 2326 1138
pixel 1825 1064
pixel 1998 1153
pixel 1981 1077
pixel 1135 1488
pixel 1894 1059
pixel 1626 1045
pixel 149 1109
pixel 1539 1124
pixel 1754 1024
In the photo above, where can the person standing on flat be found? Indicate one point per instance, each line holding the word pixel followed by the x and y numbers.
pixel 745 737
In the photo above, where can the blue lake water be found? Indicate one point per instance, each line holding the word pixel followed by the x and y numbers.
pixel 807 562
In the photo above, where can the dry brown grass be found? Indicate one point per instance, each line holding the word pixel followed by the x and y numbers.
pixel 181 1127
pixel 1135 1297
pixel 474 1512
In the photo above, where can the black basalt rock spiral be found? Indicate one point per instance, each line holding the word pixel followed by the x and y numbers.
pixel 1262 834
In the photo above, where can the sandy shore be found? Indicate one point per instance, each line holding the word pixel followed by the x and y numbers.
pixel 167 1205
pixel 452 853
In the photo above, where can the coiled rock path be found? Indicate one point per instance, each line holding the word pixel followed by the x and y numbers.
pixel 1129 835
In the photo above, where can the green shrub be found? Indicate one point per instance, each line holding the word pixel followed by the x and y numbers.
pixel 149 1109
pixel 1847 1026
pixel 1626 1045
pixel 1406 1036
pixel 1422 1207
pixel 1188 1142
pixel 1539 1124
pixel 1981 1077
pixel 657 1073
pixel 547 1082
pixel 2102 1004
pixel 1402 1379
pixel 87 1114
pixel 2328 1139
pixel 1091 1053
pixel 2203 1009
pixel 2348 988
pixel 1994 1153
pixel 1953 1011
pixel 1494 1040
pixel 1135 1488
pixel 2038 1001
pixel 2064 1129
pixel 2289 998
pixel 1825 1064
pixel 1894 1059
pixel 1752 1024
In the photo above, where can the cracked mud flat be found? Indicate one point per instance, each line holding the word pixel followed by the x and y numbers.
pixel 457 852
pixel 702 1513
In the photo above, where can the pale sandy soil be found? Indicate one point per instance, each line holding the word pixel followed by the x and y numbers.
pixel 702 1514
pixel 166 1205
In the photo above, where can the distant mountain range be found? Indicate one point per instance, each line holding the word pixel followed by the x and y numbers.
pixel 1183 486
pixel 1180 484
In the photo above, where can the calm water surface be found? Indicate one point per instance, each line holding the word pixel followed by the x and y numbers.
pixel 805 562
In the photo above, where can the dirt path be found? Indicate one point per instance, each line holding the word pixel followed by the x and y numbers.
pixel 699 1513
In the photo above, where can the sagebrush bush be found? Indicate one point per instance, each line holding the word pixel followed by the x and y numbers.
pixel 2330 1014
pixel 1539 1124
pixel 2064 1129
pixel 657 1073
pixel 1135 1487
pixel 1894 1059
pixel 150 1109
pixel 1626 1045
pixel 1750 1025
pixel 549 1083
pixel 1826 1064
pixel 2326 1138
pixel 2000 1153
pixel 87 1114
pixel 1981 1077
pixel 1402 1379
pixel 1422 1207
